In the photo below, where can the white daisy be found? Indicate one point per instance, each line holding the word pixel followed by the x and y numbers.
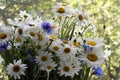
pixel 93 57
pixel 5 33
pixel 48 66
pixel 69 67
pixel 39 46
pixel 42 37
pixel 20 29
pixel 43 57
pixel 1 60
pixel 56 46
pixel 16 69
pixel 107 53
pixel 24 15
pixel 31 32
pixel 96 42
pixel 82 17
pixel 18 39
pixel 68 51
pixel 61 9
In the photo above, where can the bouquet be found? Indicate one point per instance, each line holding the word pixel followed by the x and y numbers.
pixel 54 49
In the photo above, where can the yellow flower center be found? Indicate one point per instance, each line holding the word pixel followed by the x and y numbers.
pixel 38 47
pixel 53 27
pixel 32 34
pixel 49 67
pixel 80 17
pixel 40 37
pixel 67 50
pixel 44 58
pixel 53 37
pixel 60 10
pixel 92 57
pixel 25 16
pixel 20 31
pixel 92 43
pixel 3 35
pixel 76 44
pixel 18 39
pixel 65 41
pixel 64 4
pixel 66 68
pixel 16 68
pixel 56 48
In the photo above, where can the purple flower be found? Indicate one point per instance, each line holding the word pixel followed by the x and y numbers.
pixel 29 52
pixel 3 46
pixel 87 48
pixel 98 71
pixel 47 27
pixel 32 59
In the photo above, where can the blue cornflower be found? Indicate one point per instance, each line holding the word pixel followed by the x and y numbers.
pixel 32 59
pixel 98 71
pixel 29 52
pixel 47 27
pixel 3 46
pixel 87 48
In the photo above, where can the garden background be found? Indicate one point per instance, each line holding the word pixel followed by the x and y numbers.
pixel 105 14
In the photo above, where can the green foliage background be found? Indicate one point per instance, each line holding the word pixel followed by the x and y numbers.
pixel 105 14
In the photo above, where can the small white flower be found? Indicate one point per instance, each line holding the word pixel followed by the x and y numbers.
pixel 96 42
pixel 43 57
pixel 48 66
pixel 18 39
pixel 56 46
pixel 5 33
pixel 31 32
pixel 39 46
pixel 1 59
pixel 93 57
pixel 25 15
pixel 69 67
pixel 61 9
pixel 107 53
pixel 82 17
pixel 16 69
pixel 68 51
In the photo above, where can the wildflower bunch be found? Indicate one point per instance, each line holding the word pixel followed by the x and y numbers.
pixel 34 49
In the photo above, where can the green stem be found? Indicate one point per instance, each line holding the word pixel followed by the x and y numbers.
pixel 87 74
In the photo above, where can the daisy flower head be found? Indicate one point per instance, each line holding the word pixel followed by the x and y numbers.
pixel 18 39
pixel 55 28
pixel 107 53
pixel 31 23
pixel 5 33
pixel 61 9
pixel 41 37
pixel 68 51
pixel 56 46
pixel 43 57
pixel 31 32
pixel 69 67
pixel 24 15
pixel 16 69
pixel 82 17
pixel 48 66
pixel 93 57
pixel 20 29
pixel 96 42
pixel 39 46
pixel 1 60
